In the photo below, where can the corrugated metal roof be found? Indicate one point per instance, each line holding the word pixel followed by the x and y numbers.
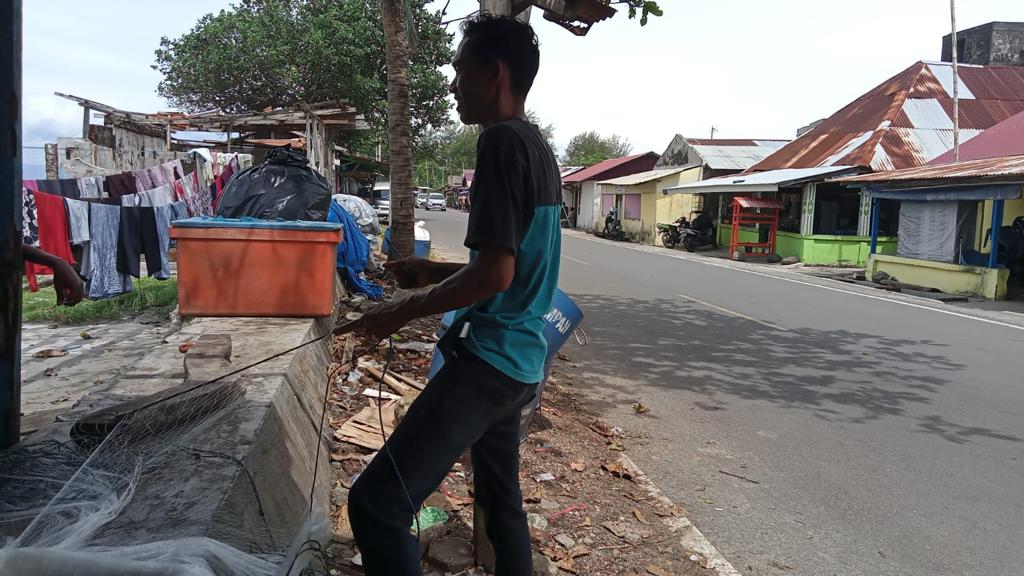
pixel 643 177
pixel 1003 139
pixel 907 120
pixel 1007 167
pixel 748 202
pixel 734 154
pixel 594 172
pixel 769 181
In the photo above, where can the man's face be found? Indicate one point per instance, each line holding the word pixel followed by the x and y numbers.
pixel 475 85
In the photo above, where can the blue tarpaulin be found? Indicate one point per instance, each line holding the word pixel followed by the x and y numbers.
pixel 353 252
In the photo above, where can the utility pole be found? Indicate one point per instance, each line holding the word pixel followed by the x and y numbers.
pixel 956 87
pixel 713 132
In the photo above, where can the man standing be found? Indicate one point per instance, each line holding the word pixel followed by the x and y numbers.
pixel 494 351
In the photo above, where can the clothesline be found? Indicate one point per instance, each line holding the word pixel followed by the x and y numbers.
pixel 113 231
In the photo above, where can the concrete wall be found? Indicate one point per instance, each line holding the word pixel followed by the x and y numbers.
pixel 831 250
pixel 78 157
pixel 589 206
pixel 952 278
pixel 995 43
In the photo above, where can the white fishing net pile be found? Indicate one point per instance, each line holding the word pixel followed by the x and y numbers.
pixel 140 503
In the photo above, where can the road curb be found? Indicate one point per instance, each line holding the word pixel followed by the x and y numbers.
pixel 689 536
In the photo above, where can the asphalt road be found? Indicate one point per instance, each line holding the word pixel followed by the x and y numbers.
pixel 808 428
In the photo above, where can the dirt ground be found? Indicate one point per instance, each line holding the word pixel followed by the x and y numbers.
pixel 587 515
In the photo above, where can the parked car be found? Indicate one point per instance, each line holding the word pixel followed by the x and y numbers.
pixel 381 201
pixel 421 200
pixel 436 201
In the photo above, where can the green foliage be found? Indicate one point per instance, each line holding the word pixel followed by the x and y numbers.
pixel 643 7
pixel 589 148
pixel 264 53
pixel 150 294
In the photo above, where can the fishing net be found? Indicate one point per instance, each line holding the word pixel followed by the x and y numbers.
pixel 131 494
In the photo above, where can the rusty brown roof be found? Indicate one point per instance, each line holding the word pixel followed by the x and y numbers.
pixel 1004 168
pixel 907 120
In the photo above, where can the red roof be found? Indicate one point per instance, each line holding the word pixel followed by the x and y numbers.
pixel 907 120
pixel 614 168
pixel 1003 139
pixel 750 202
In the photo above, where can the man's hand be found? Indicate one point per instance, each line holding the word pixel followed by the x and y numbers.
pixel 386 319
pixel 412 272
pixel 67 283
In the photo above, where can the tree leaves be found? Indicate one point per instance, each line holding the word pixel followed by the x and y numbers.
pixel 278 52
pixel 589 148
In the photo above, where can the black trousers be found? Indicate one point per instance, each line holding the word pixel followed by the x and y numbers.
pixel 137 235
pixel 468 403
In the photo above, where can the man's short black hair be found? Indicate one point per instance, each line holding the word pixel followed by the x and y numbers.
pixel 505 39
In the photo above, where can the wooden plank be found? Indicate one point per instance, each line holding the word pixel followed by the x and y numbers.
pixel 392 382
pixel 415 384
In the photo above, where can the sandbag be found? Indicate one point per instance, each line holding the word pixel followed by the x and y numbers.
pixel 282 187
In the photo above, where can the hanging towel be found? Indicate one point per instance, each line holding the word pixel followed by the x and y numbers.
pixel 49 186
pixel 156 174
pixel 101 266
pixel 137 236
pixel 122 184
pixel 30 185
pixel 53 235
pixel 78 220
pixel 69 188
pixel 143 181
pixel 159 196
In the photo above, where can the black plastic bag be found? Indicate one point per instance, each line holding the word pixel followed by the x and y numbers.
pixel 282 187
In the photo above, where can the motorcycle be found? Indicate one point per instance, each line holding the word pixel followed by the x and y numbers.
pixel 672 234
pixel 613 227
pixel 698 234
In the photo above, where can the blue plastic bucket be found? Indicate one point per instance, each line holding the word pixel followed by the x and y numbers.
pixel 421 248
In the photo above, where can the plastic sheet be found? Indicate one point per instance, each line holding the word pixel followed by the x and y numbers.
pixel 284 186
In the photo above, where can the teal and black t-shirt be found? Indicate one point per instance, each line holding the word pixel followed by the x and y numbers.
pixel 514 203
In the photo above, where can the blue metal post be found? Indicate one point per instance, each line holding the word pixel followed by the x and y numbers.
pixel 10 222
pixel 997 223
pixel 875 222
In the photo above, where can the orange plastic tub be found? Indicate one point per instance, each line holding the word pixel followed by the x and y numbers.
pixel 255 267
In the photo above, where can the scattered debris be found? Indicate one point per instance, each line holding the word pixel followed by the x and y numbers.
pixel 656 570
pixel 185 346
pixel 618 470
pixel 50 372
pixel 781 566
pixel 364 429
pixel 536 521
pixel 374 393
pixel 545 477
pixel 574 508
pixel 421 347
pixel 451 554
pixel 639 516
pixel 616 446
pixel 578 465
pixel 565 540
pixel 50 353
pixel 640 408
pixel 85 335
pixel 563 357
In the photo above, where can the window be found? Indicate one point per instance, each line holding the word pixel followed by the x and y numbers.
pixel 789 217
pixel 631 203
pixel 836 210
pixel 607 203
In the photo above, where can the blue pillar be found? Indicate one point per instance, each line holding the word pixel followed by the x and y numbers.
pixel 10 222
pixel 876 208
pixel 997 223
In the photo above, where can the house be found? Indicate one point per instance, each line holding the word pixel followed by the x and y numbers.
pixel 581 195
pixel 945 240
pixel 717 157
pixel 640 204
pixel 902 123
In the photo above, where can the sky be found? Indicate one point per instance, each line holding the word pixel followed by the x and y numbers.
pixel 751 69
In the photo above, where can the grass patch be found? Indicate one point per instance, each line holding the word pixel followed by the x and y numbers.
pixel 160 296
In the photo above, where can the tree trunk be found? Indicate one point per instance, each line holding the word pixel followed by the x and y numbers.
pixel 396 42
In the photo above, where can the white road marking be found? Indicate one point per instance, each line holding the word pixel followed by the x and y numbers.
pixel 576 260
pixel 733 313
pixel 708 262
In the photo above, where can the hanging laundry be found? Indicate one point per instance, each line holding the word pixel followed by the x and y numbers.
pixel 53 235
pixel 172 170
pixel 159 196
pixel 49 186
pixel 133 200
pixel 143 181
pixel 90 187
pixel 100 265
pixel 30 185
pixel 69 188
pixel 118 185
pixel 180 211
pixel 164 215
pixel 78 220
pixel 156 174
pixel 29 218
pixel 137 236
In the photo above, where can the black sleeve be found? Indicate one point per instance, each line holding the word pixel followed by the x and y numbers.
pixel 496 215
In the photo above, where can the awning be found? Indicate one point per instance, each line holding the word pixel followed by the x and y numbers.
pixel 947 193
pixel 769 181
pixel 769 203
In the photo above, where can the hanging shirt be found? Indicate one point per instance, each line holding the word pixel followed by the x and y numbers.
pixel 101 266
pixel 29 219
pixel 164 215
pixel 88 188
pixel 78 220
pixel 53 235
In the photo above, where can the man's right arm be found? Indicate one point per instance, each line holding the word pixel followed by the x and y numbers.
pixel 420 272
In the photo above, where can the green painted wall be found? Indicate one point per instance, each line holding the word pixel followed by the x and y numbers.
pixel 831 250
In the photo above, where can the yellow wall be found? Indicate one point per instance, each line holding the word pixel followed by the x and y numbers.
pixel 952 278
pixel 653 209
pixel 1011 209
